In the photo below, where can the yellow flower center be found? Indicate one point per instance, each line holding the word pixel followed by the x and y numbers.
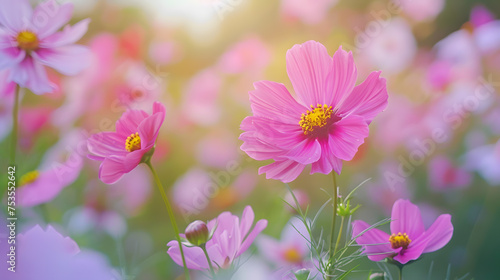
pixel 316 122
pixel 292 255
pixel 399 240
pixel 133 142
pixel 27 40
pixel 29 178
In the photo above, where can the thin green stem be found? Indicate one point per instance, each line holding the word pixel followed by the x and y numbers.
pixel 339 235
pixel 170 214
pixel 212 272
pixel 15 120
pixel 334 218
pixel 400 272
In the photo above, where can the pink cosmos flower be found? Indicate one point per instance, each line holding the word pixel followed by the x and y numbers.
pixel 421 10
pixel 231 238
pixel 7 89
pixel 443 174
pixel 39 249
pixel 249 55
pixel 60 167
pixel 409 239
pixel 291 250
pixel 324 125
pixel 121 151
pixel 29 41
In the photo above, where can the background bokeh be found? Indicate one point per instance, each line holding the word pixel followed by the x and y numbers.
pixel 200 58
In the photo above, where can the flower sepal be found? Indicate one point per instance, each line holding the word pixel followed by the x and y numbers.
pixel 146 158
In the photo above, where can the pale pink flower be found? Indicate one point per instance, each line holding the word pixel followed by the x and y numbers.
pixel 248 55
pixel 29 41
pixel 422 10
pixel 291 250
pixel 218 149
pixel 309 12
pixel 324 125
pixel 121 151
pixel 232 237
pixel 38 249
pixel 444 175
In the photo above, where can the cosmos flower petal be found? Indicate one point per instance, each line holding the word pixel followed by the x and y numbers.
pixel 367 99
pixel 272 100
pixel 284 170
pixel 111 170
pixel 69 35
pixel 438 234
pixel 15 14
pixel 372 236
pixel 149 129
pixel 106 144
pixel 129 122
pixel 259 227
pixel 59 15
pixel 327 162
pixel 195 259
pixel 342 76
pixel 410 254
pixel 10 56
pixel 246 220
pixel 308 65
pixel 68 60
pixel 346 136
pixel 32 75
pixel 406 218
pixel 307 151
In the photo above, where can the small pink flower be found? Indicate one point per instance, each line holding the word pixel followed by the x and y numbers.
pixel 291 250
pixel 309 12
pixel 444 175
pixel 29 41
pixel 230 239
pixel 409 239
pixel 60 167
pixel 324 125
pixel 121 151
pixel 250 55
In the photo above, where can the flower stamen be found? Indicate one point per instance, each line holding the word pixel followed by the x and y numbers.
pixel 292 255
pixel 27 40
pixel 133 142
pixel 399 240
pixel 29 178
pixel 316 122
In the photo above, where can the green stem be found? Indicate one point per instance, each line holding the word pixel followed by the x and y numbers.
pixel 400 272
pixel 212 272
pixel 339 235
pixel 15 120
pixel 334 218
pixel 170 214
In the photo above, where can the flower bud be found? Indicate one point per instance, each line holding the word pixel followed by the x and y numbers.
pixel 197 233
pixel 377 276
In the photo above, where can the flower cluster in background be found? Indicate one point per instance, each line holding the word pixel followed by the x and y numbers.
pixel 231 103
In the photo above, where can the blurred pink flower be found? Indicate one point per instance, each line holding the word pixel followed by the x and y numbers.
pixel 231 238
pixel 302 199
pixel 199 104
pixel 29 40
pixel 480 15
pixel 291 250
pixel 394 48
pixel 6 103
pixel 60 167
pixel 248 55
pixel 444 175
pixel 421 10
pixel 85 220
pixel 325 124
pixel 218 149
pixel 485 160
pixel 165 52
pixel 409 239
pixel 309 12
pixel 121 151
pixel 439 75
pixel 38 250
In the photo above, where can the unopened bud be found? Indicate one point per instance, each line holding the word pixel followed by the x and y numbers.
pixel 197 233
